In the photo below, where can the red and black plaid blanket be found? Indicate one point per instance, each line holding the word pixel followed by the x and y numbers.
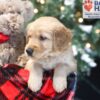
pixel 13 85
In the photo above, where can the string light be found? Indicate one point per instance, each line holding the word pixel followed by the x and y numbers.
pixel 80 20
pixel 36 10
pixel 42 1
pixel 62 8
pixel 38 0
pixel 78 14
pixel 88 45
pixel 97 31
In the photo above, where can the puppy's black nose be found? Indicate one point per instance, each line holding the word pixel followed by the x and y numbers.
pixel 29 51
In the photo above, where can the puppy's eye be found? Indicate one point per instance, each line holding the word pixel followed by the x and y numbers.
pixel 42 38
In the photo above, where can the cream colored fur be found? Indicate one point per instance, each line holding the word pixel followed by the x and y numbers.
pixel 53 52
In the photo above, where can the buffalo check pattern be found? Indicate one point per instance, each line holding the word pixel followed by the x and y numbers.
pixel 13 85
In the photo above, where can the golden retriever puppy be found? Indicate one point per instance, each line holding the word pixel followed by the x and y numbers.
pixel 49 47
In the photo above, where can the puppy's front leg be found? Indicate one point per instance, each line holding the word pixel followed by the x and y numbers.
pixel 60 78
pixel 35 77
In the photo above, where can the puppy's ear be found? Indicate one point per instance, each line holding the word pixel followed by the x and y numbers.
pixel 61 39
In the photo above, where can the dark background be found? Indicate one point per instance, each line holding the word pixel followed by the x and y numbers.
pixel 89 88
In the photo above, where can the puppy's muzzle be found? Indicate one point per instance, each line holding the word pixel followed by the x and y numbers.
pixel 29 51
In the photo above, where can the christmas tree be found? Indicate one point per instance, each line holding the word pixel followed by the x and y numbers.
pixel 86 32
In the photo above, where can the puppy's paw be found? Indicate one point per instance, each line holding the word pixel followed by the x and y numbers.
pixel 34 83
pixel 59 84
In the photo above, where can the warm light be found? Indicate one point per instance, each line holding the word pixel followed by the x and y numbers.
pixel 78 14
pixel 97 31
pixel 35 10
pixel 38 0
pixel 42 1
pixel 80 20
pixel 62 8
pixel 88 45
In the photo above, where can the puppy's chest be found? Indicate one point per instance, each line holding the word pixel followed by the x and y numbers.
pixel 51 63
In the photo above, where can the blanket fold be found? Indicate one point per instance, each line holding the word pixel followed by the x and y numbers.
pixel 13 85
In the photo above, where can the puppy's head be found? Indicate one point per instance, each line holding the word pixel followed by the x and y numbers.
pixel 46 36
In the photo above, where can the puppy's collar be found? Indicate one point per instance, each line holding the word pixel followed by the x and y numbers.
pixel 3 38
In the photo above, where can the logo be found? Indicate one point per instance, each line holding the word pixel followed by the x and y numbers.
pixel 88 5
pixel 91 9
